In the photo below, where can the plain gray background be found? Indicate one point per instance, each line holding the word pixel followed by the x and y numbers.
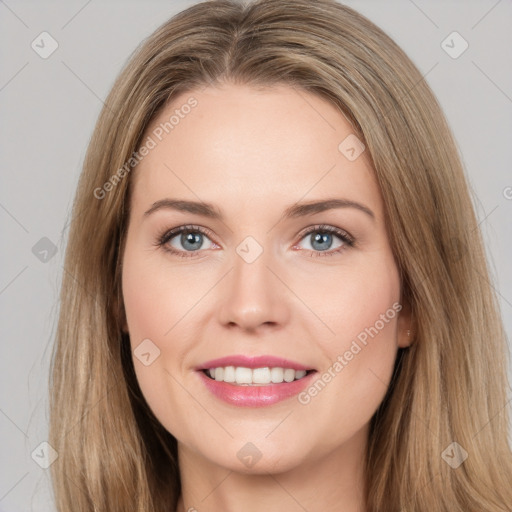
pixel 48 108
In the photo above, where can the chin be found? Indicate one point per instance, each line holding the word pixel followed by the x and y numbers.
pixel 258 458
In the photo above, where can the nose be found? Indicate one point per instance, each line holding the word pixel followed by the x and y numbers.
pixel 254 295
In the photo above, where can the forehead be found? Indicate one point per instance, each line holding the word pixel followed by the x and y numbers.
pixel 236 142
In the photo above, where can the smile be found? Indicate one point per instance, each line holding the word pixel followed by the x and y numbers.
pixel 254 381
pixel 243 376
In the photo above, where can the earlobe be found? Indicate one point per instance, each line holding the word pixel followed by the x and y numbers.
pixel 405 328
pixel 406 340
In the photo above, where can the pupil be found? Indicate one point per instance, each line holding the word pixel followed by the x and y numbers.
pixel 191 238
pixel 321 238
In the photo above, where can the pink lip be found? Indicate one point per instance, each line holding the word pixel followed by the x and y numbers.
pixel 255 396
pixel 252 362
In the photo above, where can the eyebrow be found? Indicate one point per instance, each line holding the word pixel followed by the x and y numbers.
pixel 293 211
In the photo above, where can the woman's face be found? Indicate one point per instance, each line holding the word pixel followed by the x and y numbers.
pixel 269 271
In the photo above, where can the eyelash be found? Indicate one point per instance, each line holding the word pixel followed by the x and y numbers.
pixel 166 236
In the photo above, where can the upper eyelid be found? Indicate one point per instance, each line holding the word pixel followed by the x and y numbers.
pixel 325 227
pixel 186 227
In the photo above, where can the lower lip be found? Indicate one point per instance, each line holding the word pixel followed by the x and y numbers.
pixel 255 396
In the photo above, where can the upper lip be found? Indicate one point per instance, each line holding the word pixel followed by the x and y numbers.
pixel 253 362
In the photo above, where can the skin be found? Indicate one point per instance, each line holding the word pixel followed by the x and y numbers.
pixel 252 153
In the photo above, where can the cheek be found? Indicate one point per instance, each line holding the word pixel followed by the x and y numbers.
pixel 360 355
pixel 352 298
pixel 156 302
pixel 155 299
pixel 369 313
pixel 148 318
pixel 361 308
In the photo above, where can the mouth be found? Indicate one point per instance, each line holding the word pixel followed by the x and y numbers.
pixel 254 381
pixel 262 376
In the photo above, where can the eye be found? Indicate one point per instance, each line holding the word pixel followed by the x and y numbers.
pixel 322 237
pixel 185 239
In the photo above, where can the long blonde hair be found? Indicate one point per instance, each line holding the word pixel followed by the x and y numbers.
pixel 448 387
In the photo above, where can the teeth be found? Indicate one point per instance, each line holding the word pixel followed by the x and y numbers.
pixel 242 375
pixel 276 374
pixel 257 376
pixel 219 374
pixel 229 374
pixel 289 375
pixel 261 376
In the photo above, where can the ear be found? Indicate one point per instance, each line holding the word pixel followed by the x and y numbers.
pixel 405 327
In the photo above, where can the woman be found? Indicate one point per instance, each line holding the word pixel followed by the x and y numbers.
pixel 276 293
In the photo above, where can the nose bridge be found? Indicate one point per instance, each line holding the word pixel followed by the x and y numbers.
pixel 253 294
